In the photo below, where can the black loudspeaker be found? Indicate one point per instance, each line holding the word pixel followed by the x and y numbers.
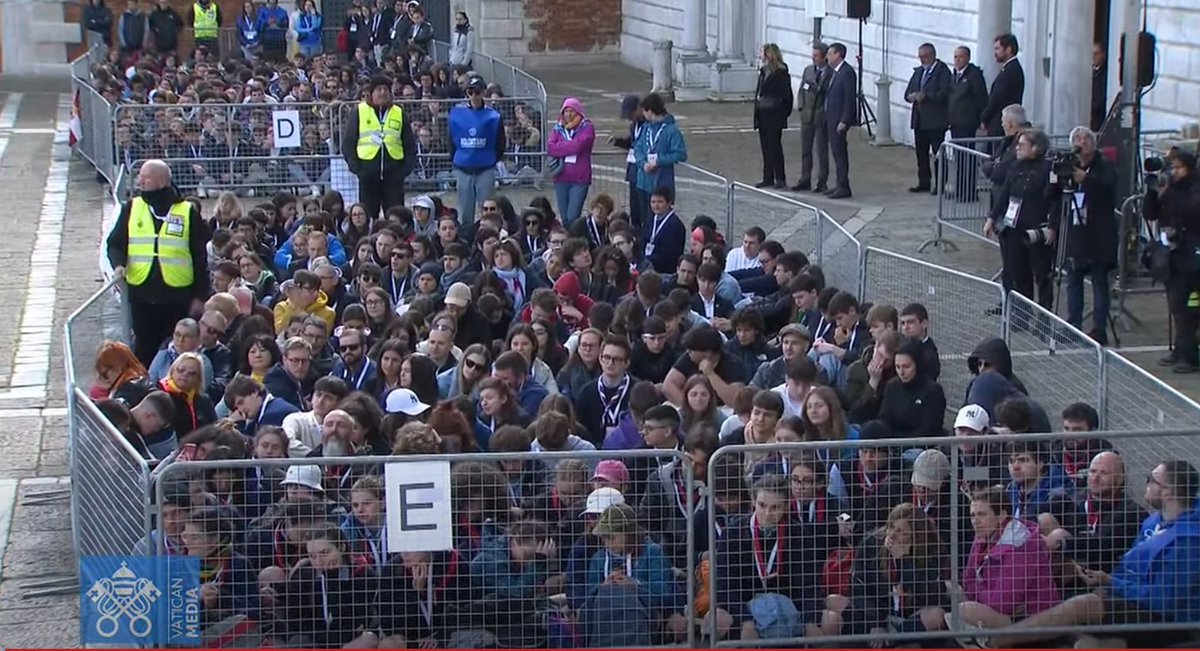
pixel 1146 51
pixel 858 8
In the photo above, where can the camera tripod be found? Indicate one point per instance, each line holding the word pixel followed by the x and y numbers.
pixel 865 112
pixel 1070 206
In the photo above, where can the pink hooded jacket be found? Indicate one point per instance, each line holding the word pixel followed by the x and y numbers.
pixel 1013 576
pixel 578 144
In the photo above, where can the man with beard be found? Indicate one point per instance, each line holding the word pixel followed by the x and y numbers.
pixel 355 369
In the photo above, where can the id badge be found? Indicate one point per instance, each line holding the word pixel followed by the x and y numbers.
pixel 353 27
pixel 629 157
pixel 377 138
pixel 251 35
pixel 1079 209
pixel 175 227
pixel 652 159
pixel 570 160
pixel 1010 215
pixel 649 249
pixel 805 86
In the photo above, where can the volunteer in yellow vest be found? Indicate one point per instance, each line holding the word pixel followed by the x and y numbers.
pixel 379 148
pixel 159 245
pixel 205 17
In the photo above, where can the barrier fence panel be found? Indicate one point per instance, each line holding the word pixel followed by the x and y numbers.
pixel 110 483
pixel 96 134
pixel 794 222
pixel 838 543
pixel 963 310
pixel 515 550
pixel 1135 399
pixel 840 255
pixel 701 192
pixel 964 196
pixel 103 317
pixel 608 177
pixel 1057 363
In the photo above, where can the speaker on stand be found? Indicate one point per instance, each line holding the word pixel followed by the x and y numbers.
pixel 861 11
pixel 858 9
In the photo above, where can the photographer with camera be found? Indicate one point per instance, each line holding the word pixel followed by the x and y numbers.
pixel 1176 207
pixel 1020 219
pixel 1014 121
pixel 1090 232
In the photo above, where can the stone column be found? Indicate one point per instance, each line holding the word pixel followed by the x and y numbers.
pixel 995 18
pixel 732 77
pixel 693 59
pixel 1071 67
pixel 729 28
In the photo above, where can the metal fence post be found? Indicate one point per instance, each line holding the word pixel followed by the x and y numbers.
pixel 729 208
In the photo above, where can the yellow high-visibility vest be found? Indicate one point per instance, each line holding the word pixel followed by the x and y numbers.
pixel 170 245
pixel 205 25
pixel 371 134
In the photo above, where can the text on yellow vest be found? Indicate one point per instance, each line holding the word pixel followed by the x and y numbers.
pixel 170 244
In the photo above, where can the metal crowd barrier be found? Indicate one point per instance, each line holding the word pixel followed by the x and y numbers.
pixel 539 498
pixel 934 547
pixel 964 191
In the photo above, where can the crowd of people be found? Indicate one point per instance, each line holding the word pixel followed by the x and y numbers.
pixel 324 330
pixel 309 331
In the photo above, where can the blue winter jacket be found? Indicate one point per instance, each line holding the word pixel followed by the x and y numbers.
pixel 1052 492
pixel 308 29
pixel 670 148
pixel 494 572
pixel 1161 573
pixel 337 253
pixel 655 582
pixel 250 30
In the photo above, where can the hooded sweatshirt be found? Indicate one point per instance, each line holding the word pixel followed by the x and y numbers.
pixel 1160 572
pixel 991 388
pixel 573 145
pixel 995 352
pixel 1013 572
pixel 914 408
pixel 568 285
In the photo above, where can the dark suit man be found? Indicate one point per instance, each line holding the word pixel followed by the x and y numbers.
pixel 1099 86
pixel 929 93
pixel 841 113
pixel 968 96
pixel 810 102
pixel 1007 88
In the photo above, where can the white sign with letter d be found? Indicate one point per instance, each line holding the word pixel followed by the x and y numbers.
pixel 286 127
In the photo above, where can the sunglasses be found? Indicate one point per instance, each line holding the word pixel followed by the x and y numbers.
pixel 532 223
pixel 472 364
pixel 490 209
pixel 348 347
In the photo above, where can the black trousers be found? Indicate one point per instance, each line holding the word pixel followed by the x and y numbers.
pixel 839 147
pixel 927 142
pixel 966 168
pixel 1028 266
pixel 379 194
pixel 153 324
pixel 1185 314
pixel 770 140
pixel 814 137
pixel 639 207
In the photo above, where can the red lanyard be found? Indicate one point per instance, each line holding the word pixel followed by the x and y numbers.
pixel 1070 463
pixel 555 504
pixel 868 486
pixel 280 560
pixel 681 499
pixel 814 513
pixel 765 565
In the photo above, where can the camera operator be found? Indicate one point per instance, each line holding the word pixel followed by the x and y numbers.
pixel 1014 121
pixel 1020 218
pixel 1176 208
pixel 1091 231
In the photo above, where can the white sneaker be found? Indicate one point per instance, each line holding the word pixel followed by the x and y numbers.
pixel 974 637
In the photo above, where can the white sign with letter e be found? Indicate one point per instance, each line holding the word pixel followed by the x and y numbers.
pixel 286 127
pixel 418 506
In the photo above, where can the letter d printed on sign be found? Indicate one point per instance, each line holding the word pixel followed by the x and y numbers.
pixel 285 125
pixel 418 506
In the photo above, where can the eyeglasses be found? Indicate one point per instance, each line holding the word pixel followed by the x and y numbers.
pixel 558 242
pixel 473 364
pixel 375 302
pixel 299 360
pixel 349 347
pixel 400 254
pixel 532 222
pixel 613 360
pixel 369 279
pixel 587 345
pixel 487 208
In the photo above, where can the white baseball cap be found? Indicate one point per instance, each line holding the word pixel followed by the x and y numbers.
pixel 404 401
pixel 601 499
pixel 308 476
pixel 972 417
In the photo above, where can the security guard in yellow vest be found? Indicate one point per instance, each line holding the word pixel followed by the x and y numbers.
pixel 206 26
pixel 159 244
pixel 379 148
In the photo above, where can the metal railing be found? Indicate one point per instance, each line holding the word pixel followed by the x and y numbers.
pixel 964 191
pixel 942 544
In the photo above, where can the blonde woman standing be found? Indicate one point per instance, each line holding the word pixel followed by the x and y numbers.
pixel 772 106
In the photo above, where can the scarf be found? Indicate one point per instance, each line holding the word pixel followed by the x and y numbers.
pixel 212 571
pixel 168 385
pixel 462 29
pixel 573 124
pixel 513 280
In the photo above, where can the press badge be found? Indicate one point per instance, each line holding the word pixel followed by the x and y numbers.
pixel 1078 209
pixel 175 227
pixel 1010 215
pixel 652 159
pixel 570 160
pixel 649 249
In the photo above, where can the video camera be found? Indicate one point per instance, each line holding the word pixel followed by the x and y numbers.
pixel 1152 166
pixel 1063 164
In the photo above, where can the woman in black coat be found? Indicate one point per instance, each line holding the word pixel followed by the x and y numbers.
pixel 913 405
pixel 772 106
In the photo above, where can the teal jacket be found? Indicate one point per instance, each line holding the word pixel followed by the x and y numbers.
pixel 670 148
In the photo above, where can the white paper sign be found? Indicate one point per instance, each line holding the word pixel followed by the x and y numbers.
pixel 286 127
pixel 418 506
pixel 814 8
